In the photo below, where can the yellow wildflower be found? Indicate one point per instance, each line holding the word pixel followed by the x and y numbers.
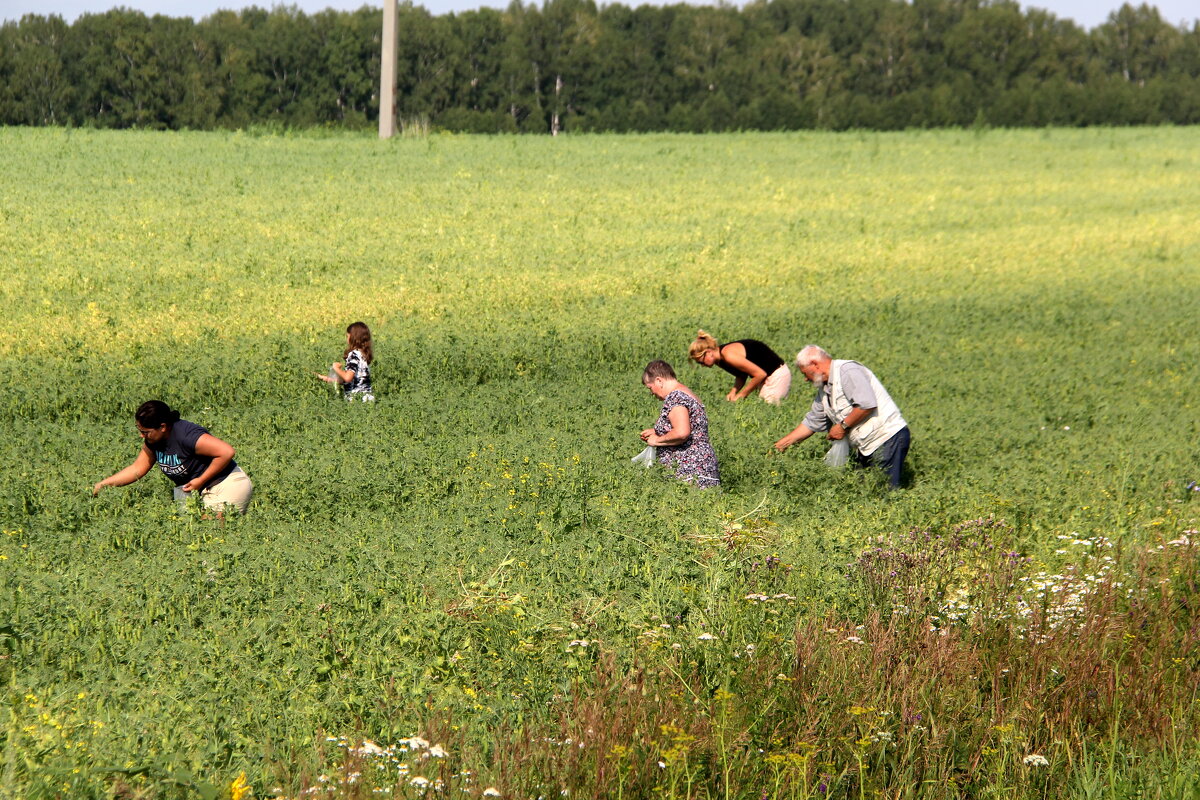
pixel 240 788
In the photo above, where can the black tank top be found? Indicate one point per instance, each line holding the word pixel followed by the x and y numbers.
pixel 758 354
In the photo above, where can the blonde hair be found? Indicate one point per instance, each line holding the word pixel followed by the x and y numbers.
pixel 703 343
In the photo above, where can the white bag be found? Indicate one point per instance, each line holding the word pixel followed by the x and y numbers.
pixel 839 453
pixel 644 458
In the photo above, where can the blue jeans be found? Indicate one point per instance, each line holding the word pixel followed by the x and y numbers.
pixel 889 456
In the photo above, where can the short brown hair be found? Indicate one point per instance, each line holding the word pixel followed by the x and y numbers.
pixel 657 369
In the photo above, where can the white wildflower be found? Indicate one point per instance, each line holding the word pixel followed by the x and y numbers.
pixel 706 637
pixel 491 791
pixel 1034 760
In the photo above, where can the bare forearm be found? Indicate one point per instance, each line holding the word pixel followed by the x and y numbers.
pixel 124 477
pixel 668 438
pixel 798 434
pixel 855 416
pixel 752 385
pixel 214 467
pixel 140 466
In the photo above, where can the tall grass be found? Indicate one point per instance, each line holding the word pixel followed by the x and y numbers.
pixel 1085 683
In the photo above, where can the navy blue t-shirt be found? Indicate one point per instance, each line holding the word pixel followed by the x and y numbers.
pixel 178 459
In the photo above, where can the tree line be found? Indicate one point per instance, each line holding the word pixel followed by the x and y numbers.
pixel 572 65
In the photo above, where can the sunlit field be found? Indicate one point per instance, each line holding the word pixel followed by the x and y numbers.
pixel 467 590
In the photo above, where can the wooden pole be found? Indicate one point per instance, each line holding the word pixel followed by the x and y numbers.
pixel 387 72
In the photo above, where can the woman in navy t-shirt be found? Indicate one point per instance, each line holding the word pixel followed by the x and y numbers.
pixel 194 459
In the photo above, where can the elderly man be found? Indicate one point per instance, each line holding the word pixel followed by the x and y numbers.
pixel 851 402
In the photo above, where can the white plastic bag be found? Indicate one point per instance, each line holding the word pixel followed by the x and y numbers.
pixel 839 453
pixel 644 458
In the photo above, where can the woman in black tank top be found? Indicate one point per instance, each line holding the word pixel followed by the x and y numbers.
pixel 753 365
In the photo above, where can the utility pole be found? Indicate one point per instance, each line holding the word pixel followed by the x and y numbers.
pixel 387 72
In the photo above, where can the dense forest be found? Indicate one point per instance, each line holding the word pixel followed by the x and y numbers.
pixel 572 65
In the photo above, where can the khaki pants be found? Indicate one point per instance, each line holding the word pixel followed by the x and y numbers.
pixel 776 386
pixel 234 491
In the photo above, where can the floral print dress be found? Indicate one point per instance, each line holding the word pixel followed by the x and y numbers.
pixel 693 460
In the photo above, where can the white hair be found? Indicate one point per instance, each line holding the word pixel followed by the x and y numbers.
pixel 810 354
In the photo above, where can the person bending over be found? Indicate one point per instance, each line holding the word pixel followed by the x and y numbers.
pixel 851 402
pixel 194 460
pixel 752 364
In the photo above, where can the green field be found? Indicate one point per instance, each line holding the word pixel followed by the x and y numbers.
pixel 474 561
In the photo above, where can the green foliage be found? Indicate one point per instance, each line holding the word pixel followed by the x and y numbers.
pixel 575 66
pixel 473 559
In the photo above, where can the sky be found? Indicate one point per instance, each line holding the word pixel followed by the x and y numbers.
pixel 1088 13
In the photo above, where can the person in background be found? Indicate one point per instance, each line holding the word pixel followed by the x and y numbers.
pixel 355 376
pixel 851 402
pixel 194 460
pixel 680 435
pixel 752 364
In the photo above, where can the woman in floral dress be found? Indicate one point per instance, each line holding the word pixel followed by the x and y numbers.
pixel 681 432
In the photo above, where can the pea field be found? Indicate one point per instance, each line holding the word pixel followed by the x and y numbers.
pixel 467 590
